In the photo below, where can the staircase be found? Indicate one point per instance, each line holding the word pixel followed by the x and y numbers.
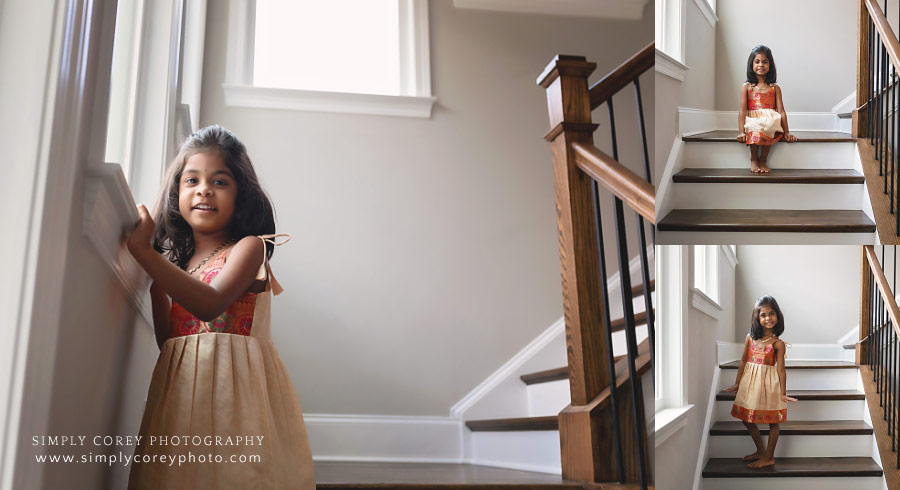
pixel 529 437
pixel 827 443
pixel 815 193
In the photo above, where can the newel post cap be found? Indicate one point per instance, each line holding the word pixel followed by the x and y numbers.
pixel 567 65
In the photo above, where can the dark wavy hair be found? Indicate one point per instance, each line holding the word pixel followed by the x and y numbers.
pixel 253 211
pixel 756 330
pixel 772 76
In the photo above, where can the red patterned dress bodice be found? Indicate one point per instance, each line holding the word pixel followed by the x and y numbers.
pixel 236 319
pixel 762 354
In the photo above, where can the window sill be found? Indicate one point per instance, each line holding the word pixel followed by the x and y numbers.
pixel 669 421
pixel 702 302
pixel 669 66
pixel 318 101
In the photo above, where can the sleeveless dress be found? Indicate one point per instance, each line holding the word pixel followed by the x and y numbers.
pixel 221 403
pixel 758 398
pixel 762 123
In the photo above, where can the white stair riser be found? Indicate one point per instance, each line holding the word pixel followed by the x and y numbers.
pixel 794 446
pixel 808 410
pixel 548 398
pixel 783 155
pixel 526 450
pixel 767 196
pixel 806 379
pixel 832 483
pixel 761 238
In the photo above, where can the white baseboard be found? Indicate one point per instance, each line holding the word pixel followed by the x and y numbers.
pixel 846 105
pixel 703 454
pixel 337 437
pixel 674 162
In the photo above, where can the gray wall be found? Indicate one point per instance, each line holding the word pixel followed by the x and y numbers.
pixel 817 288
pixel 697 90
pixel 813 43
pixel 425 251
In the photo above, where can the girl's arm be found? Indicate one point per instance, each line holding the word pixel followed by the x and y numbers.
pixel 205 301
pixel 740 373
pixel 161 309
pixel 782 370
pixel 742 114
pixel 779 106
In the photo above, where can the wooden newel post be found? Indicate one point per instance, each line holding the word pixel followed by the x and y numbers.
pixel 585 433
pixel 860 116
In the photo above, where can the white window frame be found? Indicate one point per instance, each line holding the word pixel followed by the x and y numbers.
pixel 670 39
pixel 708 9
pixel 673 262
pixel 705 293
pixel 415 80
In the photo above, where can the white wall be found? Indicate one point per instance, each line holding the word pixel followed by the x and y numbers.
pixel 696 91
pixel 425 251
pixel 677 456
pixel 817 288
pixel 813 43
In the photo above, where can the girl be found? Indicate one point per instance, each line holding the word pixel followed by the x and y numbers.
pixel 761 387
pixel 762 118
pixel 221 410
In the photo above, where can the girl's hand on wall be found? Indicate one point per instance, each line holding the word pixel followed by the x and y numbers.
pixel 731 388
pixel 143 232
pixel 786 399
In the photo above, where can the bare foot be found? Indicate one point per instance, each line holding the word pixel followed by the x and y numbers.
pixel 761 463
pixel 762 166
pixel 754 456
pixel 754 166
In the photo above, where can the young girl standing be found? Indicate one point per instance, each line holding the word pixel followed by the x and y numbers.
pixel 762 380
pixel 762 119
pixel 221 410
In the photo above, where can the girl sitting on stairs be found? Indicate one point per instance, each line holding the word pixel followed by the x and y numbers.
pixel 762 119
pixel 761 386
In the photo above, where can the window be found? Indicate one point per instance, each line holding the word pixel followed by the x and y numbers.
pixel 351 56
pixel 669 16
pixel 705 288
pixel 671 349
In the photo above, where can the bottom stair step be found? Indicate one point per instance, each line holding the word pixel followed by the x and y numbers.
pixel 768 220
pixel 794 467
pixel 340 475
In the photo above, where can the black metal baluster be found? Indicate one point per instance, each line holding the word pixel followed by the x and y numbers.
pixel 878 100
pixel 647 174
pixel 870 77
pixel 610 355
pixel 637 404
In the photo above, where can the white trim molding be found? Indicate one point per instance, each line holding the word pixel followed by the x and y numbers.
pixel 846 105
pixel 702 302
pixel 317 101
pixel 669 66
pixel 604 9
pixel 415 99
pixel 694 121
pixel 730 255
pixel 669 421
pixel 708 13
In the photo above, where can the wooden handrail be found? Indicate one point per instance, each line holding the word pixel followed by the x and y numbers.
pixel 625 184
pixel 888 38
pixel 881 281
pixel 624 74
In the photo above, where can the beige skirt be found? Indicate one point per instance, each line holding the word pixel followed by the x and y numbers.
pixel 230 418
pixel 765 121
pixel 758 398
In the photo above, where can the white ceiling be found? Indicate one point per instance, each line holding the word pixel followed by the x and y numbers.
pixel 608 9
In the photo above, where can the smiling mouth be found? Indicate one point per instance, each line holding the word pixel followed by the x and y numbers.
pixel 205 208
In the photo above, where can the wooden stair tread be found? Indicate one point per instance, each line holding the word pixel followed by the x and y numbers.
pixel 549 422
pixel 802 137
pixel 777 176
pixel 845 115
pixel 793 467
pixel 849 346
pixel 798 364
pixel 768 220
pixel 339 475
pixel 797 427
pixel 560 373
pixel 809 395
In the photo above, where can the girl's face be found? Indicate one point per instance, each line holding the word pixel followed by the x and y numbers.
pixel 768 318
pixel 206 193
pixel 760 64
